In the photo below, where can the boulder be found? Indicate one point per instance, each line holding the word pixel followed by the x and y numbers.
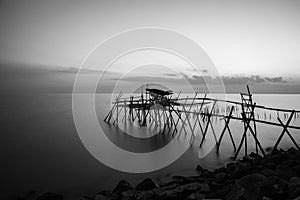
pixel 249 187
pixel 297 169
pixel 267 172
pixel 206 174
pixel 182 179
pixel 294 187
pixel 292 150
pixel 253 182
pixel 147 184
pixel 220 177
pixel 122 186
pixel 276 158
pixel 269 165
pixel 234 171
pixel 236 193
pixel 221 169
pixel 184 191
pixel 50 196
pixel 129 195
pixel 204 188
pixel 222 192
pixel 106 195
pixel 196 196
pixel 259 168
pixel 293 154
pixel 280 186
pixel 86 198
pixel 291 163
pixel 199 168
pixel 156 193
pixel 285 172
pixel 266 198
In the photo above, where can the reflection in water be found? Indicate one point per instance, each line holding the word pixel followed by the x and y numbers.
pixel 40 148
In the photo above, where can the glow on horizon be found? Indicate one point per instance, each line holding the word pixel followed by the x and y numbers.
pixel 257 37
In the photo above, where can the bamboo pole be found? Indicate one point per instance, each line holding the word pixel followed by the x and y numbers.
pixel 284 130
pixel 224 130
pixel 206 127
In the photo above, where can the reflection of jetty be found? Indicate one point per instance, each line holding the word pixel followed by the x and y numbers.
pixel 160 110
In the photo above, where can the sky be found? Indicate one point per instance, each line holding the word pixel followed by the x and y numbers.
pixel 243 38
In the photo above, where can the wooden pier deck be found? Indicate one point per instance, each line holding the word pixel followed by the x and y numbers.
pixel 161 112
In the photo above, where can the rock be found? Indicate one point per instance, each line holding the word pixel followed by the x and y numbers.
pixel 168 184
pixel 50 196
pixel 273 179
pixel 269 165
pixel 192 179
pixel 268 149
pixel 284 172
pixel 196 196
pixel 234 171
pixel 292 150
pixel 294 187
pixel 246 167
pixel 274 151
pixel 237 193
pixel 147 184
pixel 276 158
pixel 106 195
pixel 280 187
pixel 199 168
pixel 129 195
pixel 222 192
pixel 267 172
pixel 256 180
pixel 266 198
pixel 156 193
pixel 218 170
pixel 206 174
pixel 181 179
pixel 184 191
pixel 220 177
pixel 259 168
pixel 122 186
pixel 291 163
pixel 297 169
pixel 86 198
pixel 204 188
pixel 200 187
pixel 253 186
pixel 254 155
pixel 293 154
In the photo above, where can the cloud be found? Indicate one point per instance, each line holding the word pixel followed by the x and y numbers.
pixel 197 79
pixel 275 79
pixel 235 79
pixel 170 74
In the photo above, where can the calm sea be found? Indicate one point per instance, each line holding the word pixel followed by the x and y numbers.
pixel 41 150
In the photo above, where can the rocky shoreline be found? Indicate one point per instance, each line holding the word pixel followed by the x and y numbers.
pixel 276 176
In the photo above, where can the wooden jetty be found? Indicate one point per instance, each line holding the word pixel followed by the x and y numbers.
pixel 160 110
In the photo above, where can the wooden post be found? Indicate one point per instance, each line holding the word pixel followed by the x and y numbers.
pixel 186 114
pixel 284 130
pixel 226 127
pixel 208 121
pixel 110 113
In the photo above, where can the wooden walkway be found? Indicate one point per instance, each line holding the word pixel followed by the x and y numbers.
pixel 175 114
